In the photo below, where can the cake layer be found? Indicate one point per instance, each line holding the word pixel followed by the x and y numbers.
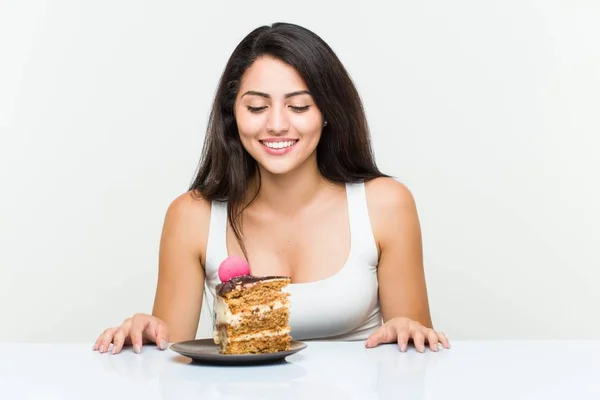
pixel 236 306
pixel 260 342
pixel 257 322
pixel 226 314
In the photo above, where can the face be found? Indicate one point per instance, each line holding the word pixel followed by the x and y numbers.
pixel 278 121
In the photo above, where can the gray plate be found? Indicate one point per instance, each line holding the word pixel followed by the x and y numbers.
pixel 205 351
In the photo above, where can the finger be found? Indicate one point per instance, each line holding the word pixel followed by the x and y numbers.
pixel 373 339
pixel 403 338
pixel 162 336
pixel 444 340
pixel 432 338
pixel 149 333
pixel 152 332
pixel 96 345
pixel 105 340
pixel 119 339
pixel 385 334
pixel 138 325
pixel 419 340
pixel 98 341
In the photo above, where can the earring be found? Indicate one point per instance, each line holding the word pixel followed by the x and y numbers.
pixel 325 124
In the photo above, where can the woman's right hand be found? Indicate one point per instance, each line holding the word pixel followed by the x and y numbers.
pixel 136 331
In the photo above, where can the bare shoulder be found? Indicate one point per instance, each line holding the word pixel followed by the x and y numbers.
pixel 388 193
pixel 187 220
pixel 391 204
pixel 189 205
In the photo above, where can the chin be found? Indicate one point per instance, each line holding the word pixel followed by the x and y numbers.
pixel 277 168
pixel 285 163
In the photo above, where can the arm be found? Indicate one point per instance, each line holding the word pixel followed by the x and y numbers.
pixel 180 287
pixel 402 287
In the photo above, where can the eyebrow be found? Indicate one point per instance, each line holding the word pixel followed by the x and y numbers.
pixel 266 96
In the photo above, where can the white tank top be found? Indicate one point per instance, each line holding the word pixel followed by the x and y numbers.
pixel 344 306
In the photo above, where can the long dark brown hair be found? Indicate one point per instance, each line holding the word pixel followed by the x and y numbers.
pixel 344 152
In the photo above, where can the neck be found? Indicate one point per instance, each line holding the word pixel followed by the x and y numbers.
pixel 291 192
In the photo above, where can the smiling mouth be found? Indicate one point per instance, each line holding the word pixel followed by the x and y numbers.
pixel 279 145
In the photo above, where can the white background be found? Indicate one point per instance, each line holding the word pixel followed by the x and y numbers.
pixel 488 110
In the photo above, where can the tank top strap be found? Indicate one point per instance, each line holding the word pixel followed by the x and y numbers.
pixel 216 246
pixel 362 238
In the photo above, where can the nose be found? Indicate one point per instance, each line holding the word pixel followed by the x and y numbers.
pixel 277 120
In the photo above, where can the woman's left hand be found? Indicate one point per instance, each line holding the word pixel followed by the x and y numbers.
pixel 401 330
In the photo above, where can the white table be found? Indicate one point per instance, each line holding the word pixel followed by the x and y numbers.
pixel 332 371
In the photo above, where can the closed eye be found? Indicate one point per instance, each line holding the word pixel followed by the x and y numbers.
pixel 256 109
pixel 299 109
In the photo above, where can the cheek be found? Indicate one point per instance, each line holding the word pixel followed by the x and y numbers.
pixel 249 126
pixel 308 126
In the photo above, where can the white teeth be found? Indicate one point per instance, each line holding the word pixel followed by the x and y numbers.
pixel 279 145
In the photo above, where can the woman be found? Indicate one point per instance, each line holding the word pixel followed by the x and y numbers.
pixel 288 181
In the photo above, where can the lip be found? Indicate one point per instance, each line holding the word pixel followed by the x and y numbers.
pixel 275 140
pixel 278 152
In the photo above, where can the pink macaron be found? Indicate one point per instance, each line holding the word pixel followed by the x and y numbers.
pixel 233 266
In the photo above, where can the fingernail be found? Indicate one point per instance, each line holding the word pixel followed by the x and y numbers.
pixel 137 348
pixel 163 344
pixel 101 349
